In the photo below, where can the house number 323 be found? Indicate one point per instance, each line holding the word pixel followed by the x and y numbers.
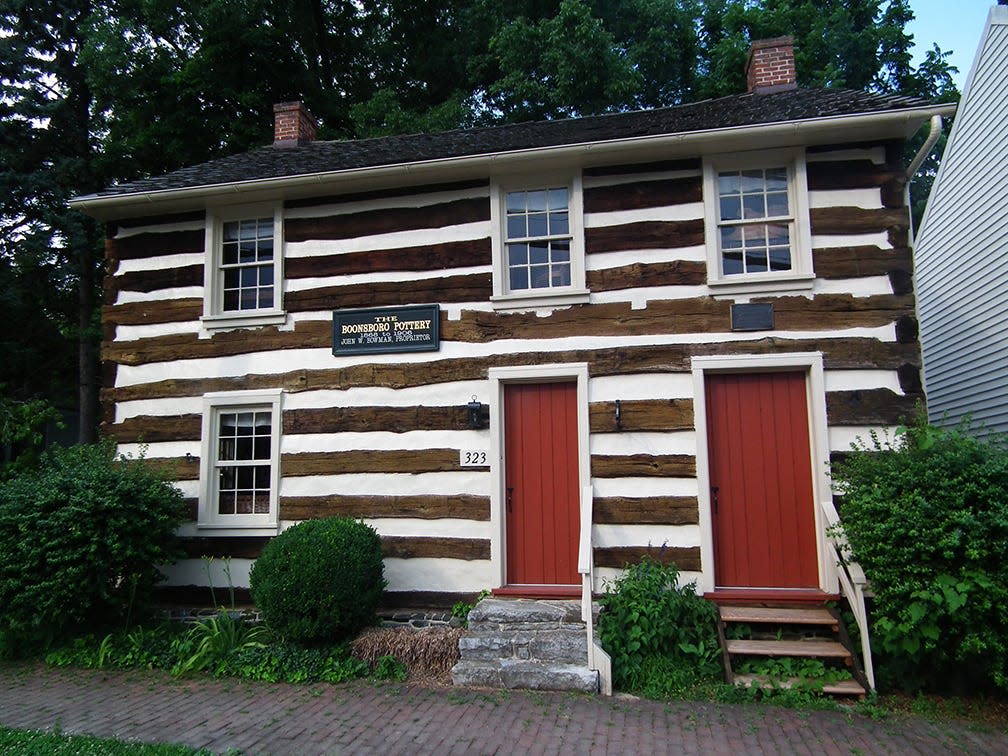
pixel 473 458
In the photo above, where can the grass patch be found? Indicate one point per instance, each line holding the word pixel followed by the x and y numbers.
pixel 34 742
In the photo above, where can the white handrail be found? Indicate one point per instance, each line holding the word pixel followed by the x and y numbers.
pixel 598 659
pixel 853 582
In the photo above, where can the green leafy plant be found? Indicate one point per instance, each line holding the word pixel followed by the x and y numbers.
pixel 214 639
pixel 320 580
pixel 646 614
pixel 389 668
pixel 926 516
pixel 81 538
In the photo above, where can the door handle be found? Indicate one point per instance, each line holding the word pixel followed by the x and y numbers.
pixel 714 498
pixel 510 493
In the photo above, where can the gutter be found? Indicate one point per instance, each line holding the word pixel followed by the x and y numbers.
pixel 104 206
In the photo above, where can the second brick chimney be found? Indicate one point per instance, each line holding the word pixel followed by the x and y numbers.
pixel 293 124
pixel 771 65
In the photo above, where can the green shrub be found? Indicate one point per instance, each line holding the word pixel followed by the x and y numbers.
pixel 81 536
pixel 320 580
pixel 926 516
pixel 646 614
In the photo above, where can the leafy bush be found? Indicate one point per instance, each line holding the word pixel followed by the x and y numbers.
pixel 926 516
pixel 647 614
pixel 81 536
pixel 320 580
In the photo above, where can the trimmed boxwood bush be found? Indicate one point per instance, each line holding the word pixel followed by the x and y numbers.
pixel 320 580
pixel 81 536
pixel 926 516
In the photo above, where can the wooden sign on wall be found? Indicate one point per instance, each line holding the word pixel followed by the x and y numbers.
pixel 376 330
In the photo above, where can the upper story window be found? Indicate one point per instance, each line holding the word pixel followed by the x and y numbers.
pixel 243 274
pixel 239 460
pixel 538 243
pixel 757 222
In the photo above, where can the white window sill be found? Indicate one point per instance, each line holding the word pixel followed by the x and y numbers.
pixel 754 285
pixel 245 319
pixel 224 529
pixel 541 298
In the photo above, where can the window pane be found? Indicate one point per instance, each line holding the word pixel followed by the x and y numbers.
pixel 731 208
pixel 225 503
pixel 229 253
pixel 249 277
pixel 560 251
pixel 265 298
pixel 731 263
pixel 231 300
pixel 230 231
pixel 776 179
pixel 249 300
pixel 266 229
pixel 537 201
pixel 518 254
pixel 753 206
pixel 261 503
pixel 265 250
pixel 266 275
pixel 232 278
pixel 516 227
pixel 537 224
pixel 731 238
pixel 558 224
pixel 780 258
pixel 243 448
pixel 558 198
pixel 539 276
pixel 538 253
pixel 728 183
pixel 243 502
pixel 756 260
pixel 515 202
pixel 777 235
pixel 561 274
pixel 261 447
pixel 518 278
pixel 262 476
pixel 247 229
pixel 752 181
pixel 777 204
pixel 246 251
pixel 244 423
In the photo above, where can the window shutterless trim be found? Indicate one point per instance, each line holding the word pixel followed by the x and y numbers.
pixel 800 276
pixel 215 317
pixel 214 405
pixel 503 298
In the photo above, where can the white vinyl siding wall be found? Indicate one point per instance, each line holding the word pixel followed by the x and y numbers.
pixel 962 251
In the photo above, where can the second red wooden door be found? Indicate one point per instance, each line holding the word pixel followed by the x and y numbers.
pixel 541 483
pixel 761 481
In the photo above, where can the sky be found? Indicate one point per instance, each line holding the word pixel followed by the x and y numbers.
pixel 955 25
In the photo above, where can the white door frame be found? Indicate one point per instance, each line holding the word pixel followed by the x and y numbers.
pixel 499 376
pixel 815 388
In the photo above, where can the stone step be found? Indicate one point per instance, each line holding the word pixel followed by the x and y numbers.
pixel 568 645
pixel 523 614
pixel 528 675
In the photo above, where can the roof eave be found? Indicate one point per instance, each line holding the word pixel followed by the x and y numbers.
pixel 903 122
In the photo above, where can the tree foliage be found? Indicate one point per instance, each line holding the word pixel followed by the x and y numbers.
pixel 94 92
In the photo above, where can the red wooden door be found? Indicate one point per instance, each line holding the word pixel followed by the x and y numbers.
pixel 761 481
pixel 541 483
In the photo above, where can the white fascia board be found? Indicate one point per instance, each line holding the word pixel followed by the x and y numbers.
pixel 857 127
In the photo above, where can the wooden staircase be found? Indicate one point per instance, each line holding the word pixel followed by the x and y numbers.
pixel 788 634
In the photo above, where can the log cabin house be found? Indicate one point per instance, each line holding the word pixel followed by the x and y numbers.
pixel 527 354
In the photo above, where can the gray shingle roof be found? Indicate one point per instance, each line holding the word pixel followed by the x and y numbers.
pixel 737 110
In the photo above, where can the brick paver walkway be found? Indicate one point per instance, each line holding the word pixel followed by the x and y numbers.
pixel 363 717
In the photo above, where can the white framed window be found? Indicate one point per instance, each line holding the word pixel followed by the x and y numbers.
pixel 757 221
pixel 243 275
pixel 538 242
pixel 240 461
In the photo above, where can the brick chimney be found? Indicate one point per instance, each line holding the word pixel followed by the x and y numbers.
pixel 771 65
pixel 293 124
